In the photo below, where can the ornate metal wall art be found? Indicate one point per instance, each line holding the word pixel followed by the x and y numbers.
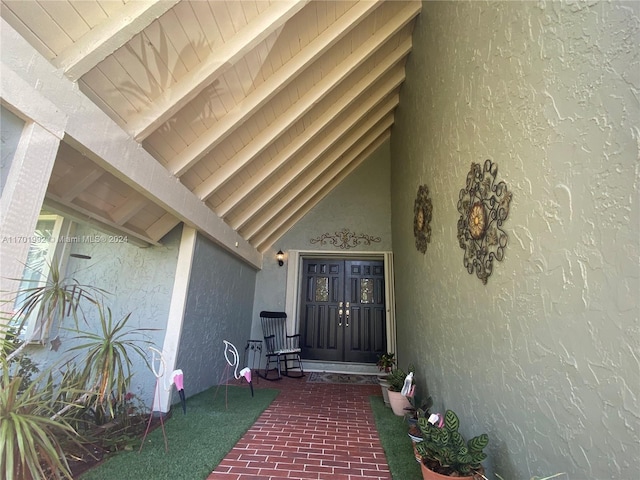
pixel 484 206
pixel 422 213
pixel 345 239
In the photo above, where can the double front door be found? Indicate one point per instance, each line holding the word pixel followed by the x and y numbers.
pixel 342 311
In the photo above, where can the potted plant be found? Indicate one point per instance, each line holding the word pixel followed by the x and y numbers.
pixel 445 453
pixel 386 361
pixel 418 410
pixel 399 403
pixel 385 364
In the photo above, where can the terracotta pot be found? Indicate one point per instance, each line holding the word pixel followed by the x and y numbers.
pixel 384 385
pixel 398 403
pixel 431 475
pixel 417 455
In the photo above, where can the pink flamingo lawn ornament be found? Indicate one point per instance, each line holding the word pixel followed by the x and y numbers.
pixel 158 367
pixel 177 379
pixel 233 359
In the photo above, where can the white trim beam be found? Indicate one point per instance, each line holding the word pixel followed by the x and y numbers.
pixel 75 183
pixel 269 89
pixel 341 134
pixel 313 96
pixel 341 156
pixel 190 86
pixel 162 226
pixel 173 331
pixel 21 203
pixel 29 171
pixel 110 35
pixel 300 210
pixel 101 220
pixel 325 121
pixel 132 205
pixel 92 133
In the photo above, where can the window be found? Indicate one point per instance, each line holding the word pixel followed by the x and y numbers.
pixel 47 245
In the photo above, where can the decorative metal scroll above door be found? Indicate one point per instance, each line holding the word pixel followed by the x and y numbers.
pixel 345 239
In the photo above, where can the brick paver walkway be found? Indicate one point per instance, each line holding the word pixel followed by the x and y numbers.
pixel 311 431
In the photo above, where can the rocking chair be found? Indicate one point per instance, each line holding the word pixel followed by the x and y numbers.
pixel 280 347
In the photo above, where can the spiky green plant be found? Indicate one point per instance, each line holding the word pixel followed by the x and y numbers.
pixel 396 378
pixel 107 359
pixel 31 446
pixel 445 447
pixel 56 298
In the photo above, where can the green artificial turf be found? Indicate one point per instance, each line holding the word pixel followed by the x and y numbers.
pixel 397 445
pixel 198 441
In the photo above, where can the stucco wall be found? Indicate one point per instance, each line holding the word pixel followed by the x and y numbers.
pixel 544 358
pixel 219 307
pixel 138 281
pixel 361 203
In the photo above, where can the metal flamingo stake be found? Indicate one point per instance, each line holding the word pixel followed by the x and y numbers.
pixel 158 367
pixel 229 348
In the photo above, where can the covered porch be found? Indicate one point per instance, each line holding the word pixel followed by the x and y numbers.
pixel 183 158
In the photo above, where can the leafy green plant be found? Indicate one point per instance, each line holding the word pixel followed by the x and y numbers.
pixel 21 365
pixel 396 379
pixel 386 361
pixel 419 409
pixel 31 446
pixel 445 451
pixel 39 418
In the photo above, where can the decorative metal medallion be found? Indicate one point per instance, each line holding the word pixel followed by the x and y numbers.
pixel 422 213
pixel 345 239
pixel 483 207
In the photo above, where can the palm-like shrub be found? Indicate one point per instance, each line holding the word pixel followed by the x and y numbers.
pixel 56 298
pixel 31 446
pixel 107 361
pixel 35 415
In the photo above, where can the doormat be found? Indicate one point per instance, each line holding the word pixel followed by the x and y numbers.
pixel 346 378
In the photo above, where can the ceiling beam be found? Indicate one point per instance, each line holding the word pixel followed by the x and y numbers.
pixel 313 96
pixel 327 119
pixel 77 181
pixel 269 89
pixel 225 55
pixel 348 149
pixel 133 204
pixel 104 39
pixel 343 134
pixel 83 215
pixel 162 226
pixel 313 196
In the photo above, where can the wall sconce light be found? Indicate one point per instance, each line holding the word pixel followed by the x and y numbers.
pixel 280 257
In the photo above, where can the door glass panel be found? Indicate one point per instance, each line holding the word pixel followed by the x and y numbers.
pixel 366 290
pixel 322 289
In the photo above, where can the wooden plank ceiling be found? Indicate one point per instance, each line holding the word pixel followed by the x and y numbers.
pixel 259 108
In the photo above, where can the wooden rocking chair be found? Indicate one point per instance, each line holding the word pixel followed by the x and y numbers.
pixel 280 347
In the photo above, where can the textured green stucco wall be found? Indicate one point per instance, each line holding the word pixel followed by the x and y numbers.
pixel 544 358
pixel 361 203
pixel 218 307
pixel 137 281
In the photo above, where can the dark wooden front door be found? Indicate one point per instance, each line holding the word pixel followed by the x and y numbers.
pixel 342 311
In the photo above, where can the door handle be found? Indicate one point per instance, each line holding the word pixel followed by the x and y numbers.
pixel 340 314
pixel 347 313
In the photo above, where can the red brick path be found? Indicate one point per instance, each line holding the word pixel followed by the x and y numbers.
pixel 311 431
